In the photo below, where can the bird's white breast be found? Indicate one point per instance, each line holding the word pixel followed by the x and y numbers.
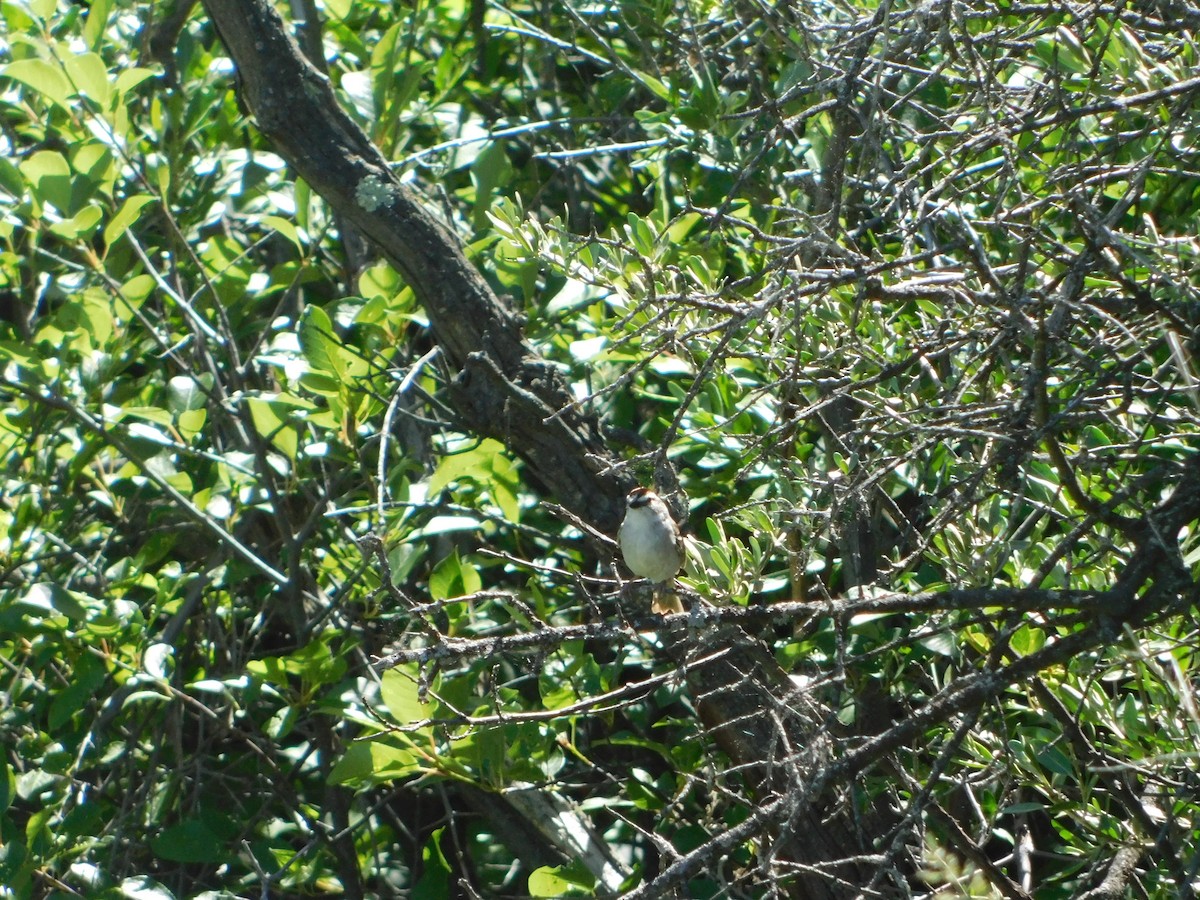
pixel 648 546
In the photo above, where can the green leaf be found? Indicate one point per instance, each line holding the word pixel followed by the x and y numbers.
pixel 1028 639
pixel 184 393
pixel 287 228
pixel 355 767
pixel 435 879
pixel 191 422
pixel 49 178
pixel 87 678
pixel 317 342
pixel 483 751
pixel 546 882
pixel 273 420
pixel 11 179
pixel 317 663
pixel 191 841
pixel 19 353
pixel 125 216
pixel 1016 809
pixel 490 171
pixel 130 78
pixel 561 881
pixel 37 74
pixel 452 577
pixel 80 225
pixel 48 598
pixel 654 85
pixel 1054 760
pixel 95 162
pixel 17 867
pixel 445 525
pixel 95 27
pixel 380 280
pixel 8 786
pixel 398 689
pixel 135 291
pixel 320 383
pixel 486 465
pixel 91 312
pixel 89 77
pixel 943 644
pixel 375 761
pixel 142 887
pixel 640 234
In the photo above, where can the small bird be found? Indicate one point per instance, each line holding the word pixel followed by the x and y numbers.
pixel 652 545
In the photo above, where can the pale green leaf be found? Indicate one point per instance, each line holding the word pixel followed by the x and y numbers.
pixel 79 225
pixel 131 78
pixel 38 75
pixel 125 216
pixel 88 76
pixel 49 178
pixel 317 342
pixel 398 688
pixel 287 228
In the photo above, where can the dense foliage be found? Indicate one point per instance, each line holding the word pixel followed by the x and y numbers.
pixel 905 295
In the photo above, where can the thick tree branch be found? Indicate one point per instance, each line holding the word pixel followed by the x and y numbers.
pixel 454 650
pixel 502 389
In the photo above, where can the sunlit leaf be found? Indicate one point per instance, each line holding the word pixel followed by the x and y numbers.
pixel 41 76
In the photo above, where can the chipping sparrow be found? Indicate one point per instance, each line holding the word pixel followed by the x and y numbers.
pixel 651 544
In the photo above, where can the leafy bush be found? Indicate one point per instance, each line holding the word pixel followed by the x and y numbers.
pixel 899 302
